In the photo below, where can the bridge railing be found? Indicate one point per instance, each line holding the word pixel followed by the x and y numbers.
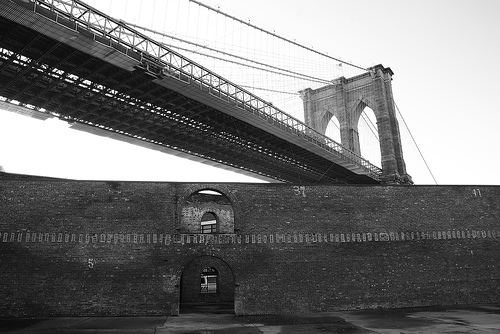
pixel 162 61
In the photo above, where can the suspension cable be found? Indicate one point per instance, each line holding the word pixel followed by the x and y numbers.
pixel 246 65
pixel 369 122
pixel 270 90
pixel 297 74
pixel 415 142
pixel 277 36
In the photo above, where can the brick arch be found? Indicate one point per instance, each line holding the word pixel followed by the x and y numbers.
pixel 189 279
pixel 175 271
pixel 224 190
pixel 186 192
pixel 180 265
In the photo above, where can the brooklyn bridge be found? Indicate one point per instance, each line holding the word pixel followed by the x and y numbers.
pixel 66 59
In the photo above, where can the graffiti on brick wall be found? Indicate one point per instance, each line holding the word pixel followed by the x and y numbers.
pixel 266 238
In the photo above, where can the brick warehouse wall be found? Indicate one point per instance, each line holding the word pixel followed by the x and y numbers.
pixel 117 248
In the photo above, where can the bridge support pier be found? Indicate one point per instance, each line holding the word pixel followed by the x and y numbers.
pixel 345 99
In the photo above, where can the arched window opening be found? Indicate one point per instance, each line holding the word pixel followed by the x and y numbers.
pixel 209 280
pixel 207 211
pixel 333 129
pixel 369 142
pixel 209 192
pixel 208 223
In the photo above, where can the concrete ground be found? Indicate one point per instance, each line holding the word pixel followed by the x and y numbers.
pixel 453 319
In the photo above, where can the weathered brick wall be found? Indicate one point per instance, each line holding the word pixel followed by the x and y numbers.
pixel 117 248
pixel 82 248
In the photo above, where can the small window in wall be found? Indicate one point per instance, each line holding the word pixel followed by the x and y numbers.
pixel 206 211
pixel 209 280
pixel 210 192
pixel 208 223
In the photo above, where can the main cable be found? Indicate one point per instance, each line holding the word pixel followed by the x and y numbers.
pixel 302 76
pixel 277 36
pixel 296 74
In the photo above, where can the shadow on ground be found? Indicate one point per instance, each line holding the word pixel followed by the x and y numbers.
pixel 220 319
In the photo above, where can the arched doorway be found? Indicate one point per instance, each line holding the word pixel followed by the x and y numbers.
pixel 207 286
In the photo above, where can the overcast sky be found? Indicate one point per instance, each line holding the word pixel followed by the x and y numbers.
pixel 444 54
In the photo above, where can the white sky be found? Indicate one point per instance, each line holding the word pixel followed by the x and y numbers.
pixel 443 54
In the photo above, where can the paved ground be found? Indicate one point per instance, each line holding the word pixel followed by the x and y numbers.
pixel 480 319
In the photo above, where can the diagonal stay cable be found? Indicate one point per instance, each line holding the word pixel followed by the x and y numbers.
pixel 302 76
pixel 277 36
pixel 370 124
pixel 415 142
pixel 297 74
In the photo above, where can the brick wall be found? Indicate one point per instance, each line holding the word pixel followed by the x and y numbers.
pixel 118 248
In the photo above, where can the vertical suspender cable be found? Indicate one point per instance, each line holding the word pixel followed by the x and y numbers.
pixel 165 17
pixel 153 18
pixel 277 36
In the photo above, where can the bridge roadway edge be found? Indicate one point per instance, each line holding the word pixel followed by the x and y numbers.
pixel 117 58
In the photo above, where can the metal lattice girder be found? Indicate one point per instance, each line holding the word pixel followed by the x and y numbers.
pixel 92 84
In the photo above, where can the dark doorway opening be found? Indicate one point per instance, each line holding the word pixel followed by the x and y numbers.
pixel 207 286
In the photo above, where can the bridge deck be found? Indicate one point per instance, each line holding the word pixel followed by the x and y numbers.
pixel 107 90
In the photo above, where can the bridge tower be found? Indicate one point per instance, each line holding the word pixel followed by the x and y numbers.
pixel 345 99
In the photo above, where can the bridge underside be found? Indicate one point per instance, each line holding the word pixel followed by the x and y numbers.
pixel 74 86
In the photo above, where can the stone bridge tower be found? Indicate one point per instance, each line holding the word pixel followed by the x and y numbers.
pixel 345 99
